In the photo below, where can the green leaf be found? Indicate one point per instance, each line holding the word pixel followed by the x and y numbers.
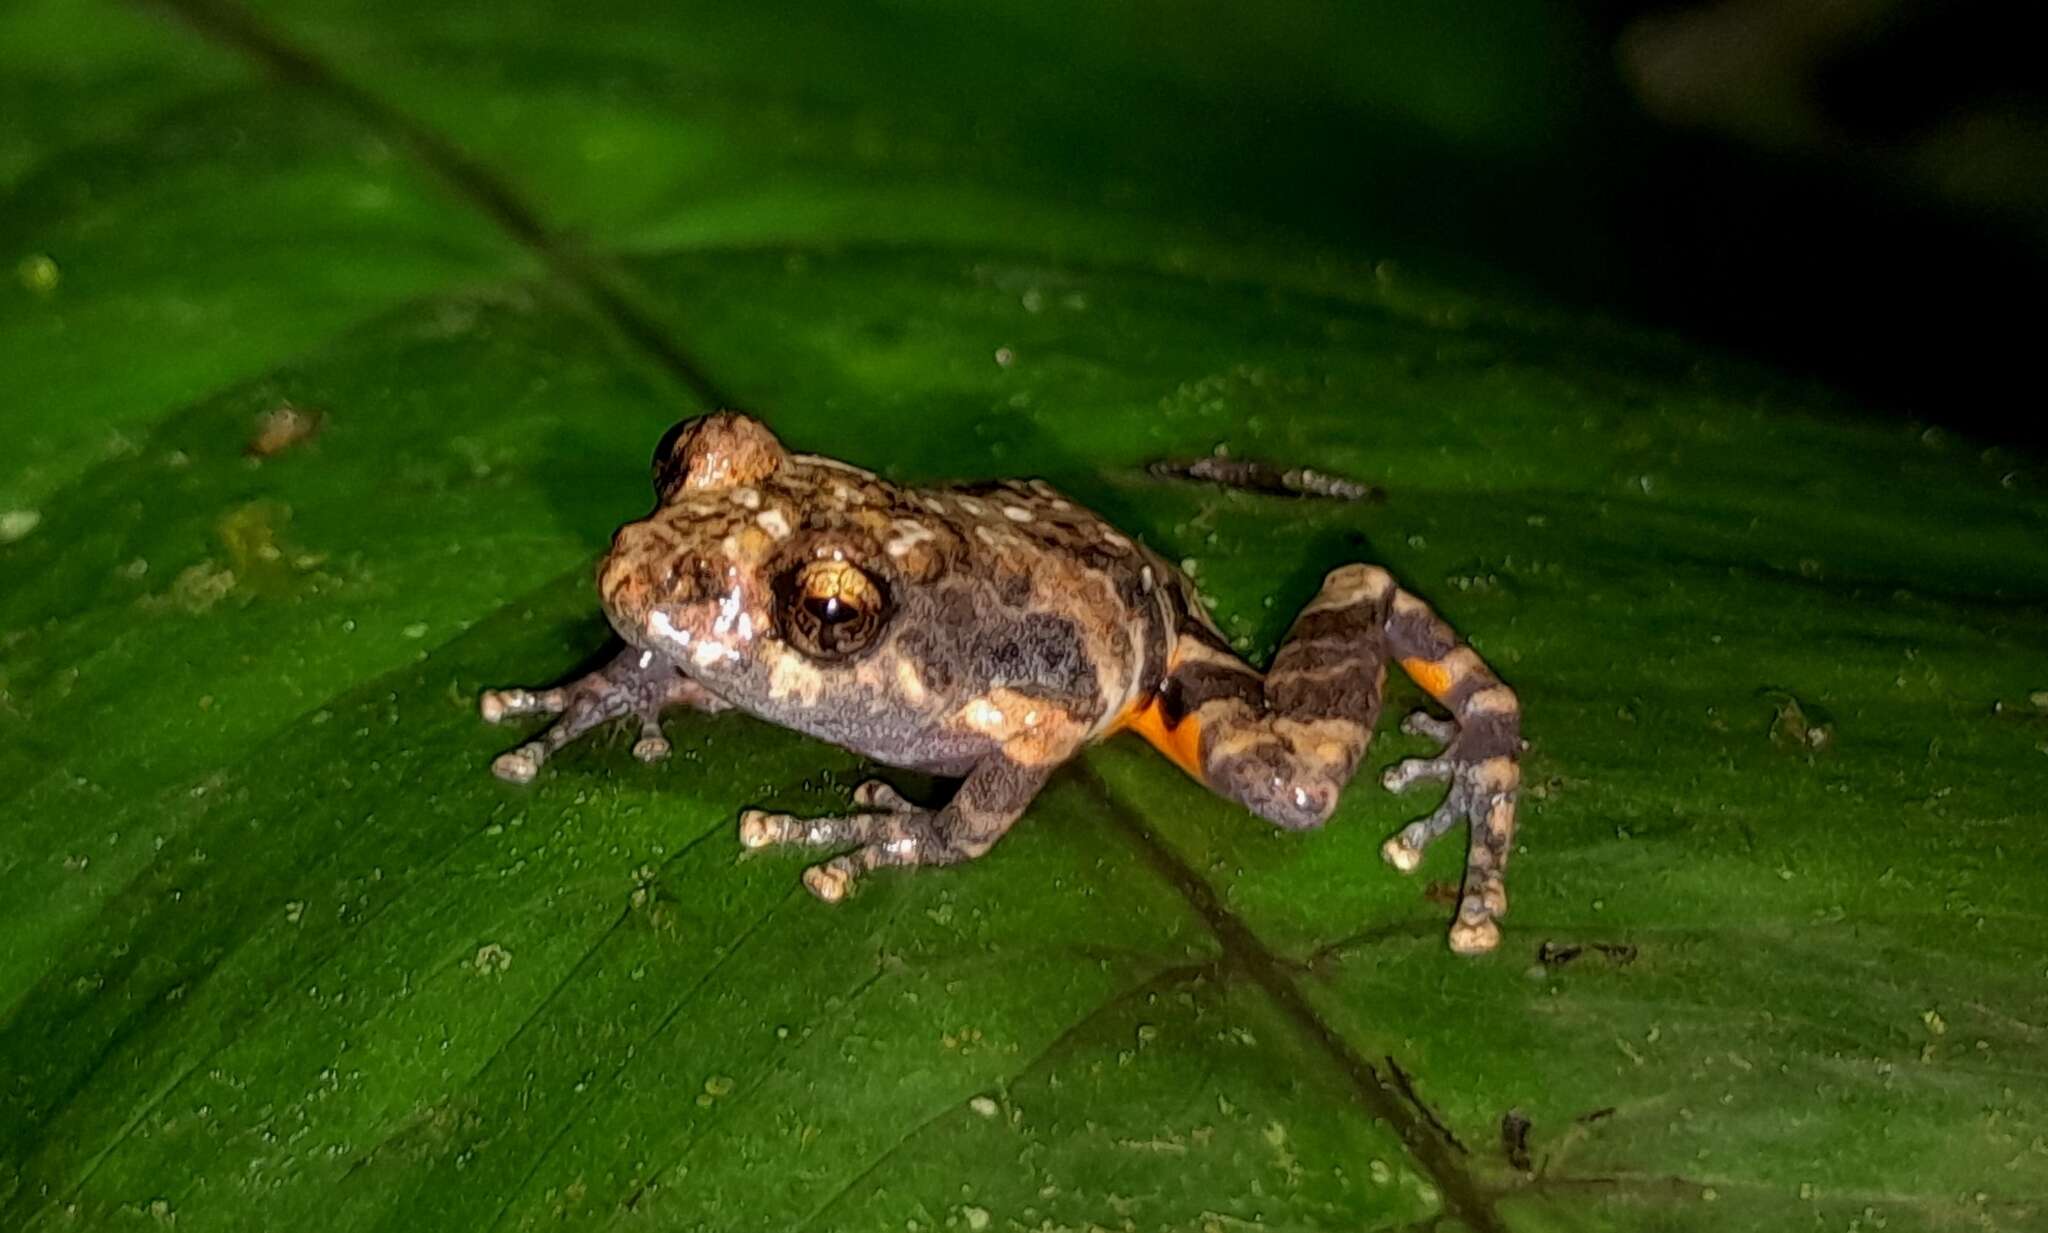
pixel 276 951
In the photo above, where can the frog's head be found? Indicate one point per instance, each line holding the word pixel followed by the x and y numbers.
pixel 757 572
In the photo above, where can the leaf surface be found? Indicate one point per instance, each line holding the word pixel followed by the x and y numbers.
pixel 276 950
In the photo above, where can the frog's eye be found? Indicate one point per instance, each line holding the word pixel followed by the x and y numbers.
pixel 831 609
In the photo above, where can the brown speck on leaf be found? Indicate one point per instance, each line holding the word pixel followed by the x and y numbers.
pixel 1249 476
pixel 197 587
pixel 1798 724
pixel 283 427
pixel 1514 1140
pixel 1441 892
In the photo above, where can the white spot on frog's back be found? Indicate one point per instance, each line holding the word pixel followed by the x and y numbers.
pixel 908 535
pixel 772 521
pixel 1016 513
pixel 746 498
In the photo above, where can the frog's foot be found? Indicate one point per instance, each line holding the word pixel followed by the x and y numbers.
pixel 1482 791
pixel 891 831
pixel 635 683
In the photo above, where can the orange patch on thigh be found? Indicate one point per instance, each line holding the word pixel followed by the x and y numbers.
pixel 1432 674
pixel 1182 742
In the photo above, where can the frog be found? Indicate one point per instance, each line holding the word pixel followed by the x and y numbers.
pixel 987 633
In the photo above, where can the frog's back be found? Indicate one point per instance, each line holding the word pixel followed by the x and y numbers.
pixel 1051 555
pixel 1012 585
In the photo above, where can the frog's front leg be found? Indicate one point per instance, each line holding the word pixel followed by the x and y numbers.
pixel 636 682
pixel 1285 744
pixel 891 831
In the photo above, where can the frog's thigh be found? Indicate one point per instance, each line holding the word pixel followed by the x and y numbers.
pixel 1488 713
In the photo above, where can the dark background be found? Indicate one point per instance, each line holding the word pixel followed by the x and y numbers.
pixel 1855 190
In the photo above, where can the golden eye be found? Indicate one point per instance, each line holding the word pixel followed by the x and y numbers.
pixel 831 609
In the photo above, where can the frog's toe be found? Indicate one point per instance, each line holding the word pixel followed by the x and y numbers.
pixel 499 705
pixel 517 766
pixel 831 881
pixel 759 828
pixel 1408 772
pixel 1404 850
pixel 1474 937
pixel 1422 723
pixel 652 745
pixel 1401 854
pixel 876 794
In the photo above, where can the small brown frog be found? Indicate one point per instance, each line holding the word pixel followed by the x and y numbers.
pixel 988 633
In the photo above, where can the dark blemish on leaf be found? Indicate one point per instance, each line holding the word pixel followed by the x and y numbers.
pixel 1798 725
pixel 1248 476
pixel 1600 1114
pixel 1514 1140
pixel 1558 954
pixel 1441 892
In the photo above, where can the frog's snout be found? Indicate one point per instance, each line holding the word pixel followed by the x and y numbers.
pixel 652 588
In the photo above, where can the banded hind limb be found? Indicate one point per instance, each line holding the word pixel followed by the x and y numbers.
pixel 1284 744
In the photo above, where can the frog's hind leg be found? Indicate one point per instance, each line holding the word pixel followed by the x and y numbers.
pixel 892 831
pixel 1480 759
pixel 635 682
pixel 1286 744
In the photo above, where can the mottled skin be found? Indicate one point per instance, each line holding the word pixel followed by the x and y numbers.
pixel 990 632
